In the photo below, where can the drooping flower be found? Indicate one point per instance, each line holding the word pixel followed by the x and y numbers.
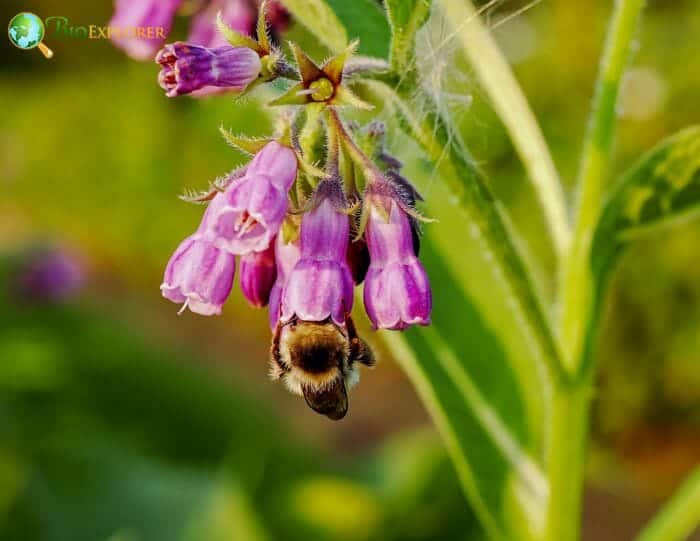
pixel 248 214
pixel 320 285
pixel 257 275
pixel 200 275
pixel 130 15
pixel 397 292
pixel 286 256
pixel 186 68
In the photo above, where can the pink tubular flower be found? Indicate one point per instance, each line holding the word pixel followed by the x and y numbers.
pixel 320 285
pixel 186 68
pixel 247 216
pixel 130 15
pixel 258 273
pixel 199 275
pixel 397 292
pixel 286 257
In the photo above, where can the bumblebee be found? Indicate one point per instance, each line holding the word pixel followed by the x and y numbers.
pixel 316 359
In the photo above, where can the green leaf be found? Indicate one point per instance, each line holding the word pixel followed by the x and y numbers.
pixel 405 17
pixel 364 20
pixel 318 17
pixel 476 398
pixel 335 22
pixel 660 190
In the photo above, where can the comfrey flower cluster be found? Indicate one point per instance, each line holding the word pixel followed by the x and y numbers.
pixel 304 236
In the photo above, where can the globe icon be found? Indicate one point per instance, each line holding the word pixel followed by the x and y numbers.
pixel 26 30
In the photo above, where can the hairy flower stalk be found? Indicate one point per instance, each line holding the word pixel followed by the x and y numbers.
pixel 186 68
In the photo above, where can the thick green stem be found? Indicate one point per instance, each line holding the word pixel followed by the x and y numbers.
pixel 577 283
pixel 566 460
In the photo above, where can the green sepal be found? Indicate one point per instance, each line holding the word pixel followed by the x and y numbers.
pixel 248 145
pixel 334 67
pixel 310 168
pixel 292 96
pixel 311 130
pixel 362 225
pixel 347 166
pixel 236 39
pixel 308 69
pixel 261 28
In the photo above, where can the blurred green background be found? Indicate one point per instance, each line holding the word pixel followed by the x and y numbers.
pixel 120 420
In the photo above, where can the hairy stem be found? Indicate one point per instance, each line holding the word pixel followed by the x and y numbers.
pixel 512 107
pixel 577 281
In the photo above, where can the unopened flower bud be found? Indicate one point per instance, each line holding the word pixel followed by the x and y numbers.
pixel 257 275
pixel 186 68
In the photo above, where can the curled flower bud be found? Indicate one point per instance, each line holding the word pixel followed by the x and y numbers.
pixel 286 257
pixel 320 285
pixel 199 275
pixel 397 292
pixel 249 213
pixel 130 15
pixel 258 273
pixel 186 68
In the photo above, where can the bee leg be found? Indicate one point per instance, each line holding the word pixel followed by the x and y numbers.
pixel 359 349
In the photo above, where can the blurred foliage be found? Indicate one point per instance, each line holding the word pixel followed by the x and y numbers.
pixel 105 435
